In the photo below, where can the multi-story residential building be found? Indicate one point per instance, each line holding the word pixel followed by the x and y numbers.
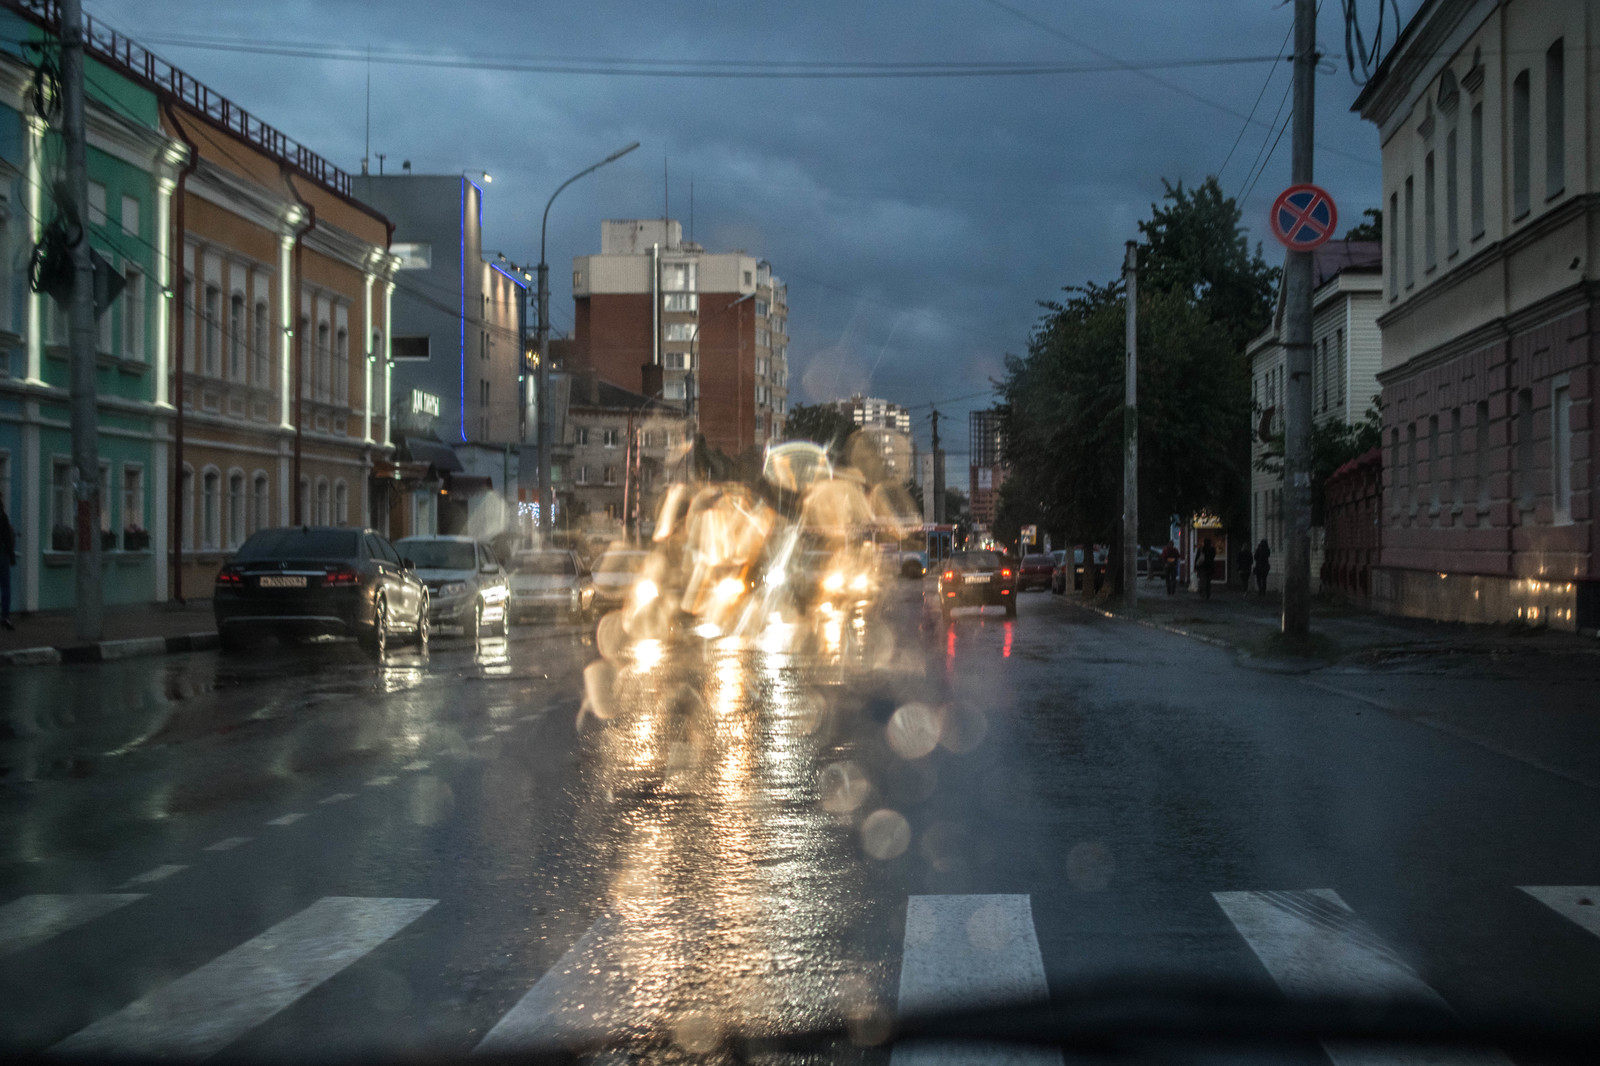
pixel 131 169
pixel 1347 297
pixel 459 370
pixel 1486 110
pixel 617 452
pixel 871 411
pixel 986 465
pixel 705 330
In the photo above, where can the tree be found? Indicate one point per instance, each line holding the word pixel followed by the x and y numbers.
pixel 1370 230
pixel 822 423
pixel 1333 444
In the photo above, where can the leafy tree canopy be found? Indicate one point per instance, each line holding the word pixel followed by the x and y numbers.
pixel 1370 230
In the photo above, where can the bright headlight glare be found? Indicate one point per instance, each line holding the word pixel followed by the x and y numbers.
pixel 453 588
pixel 729 588
pixel 833 582
pixel 645 591
pixel 859 582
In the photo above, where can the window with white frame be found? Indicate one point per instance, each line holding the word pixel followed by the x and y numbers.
pixel 1521 134
pixel 609 474
pixel 763 338
pixel 610 437
pixel 1452 197
pixel 762 308
pixel 581 435
pixel 130 216
pixel 305 369
pixel 1561 449
pixel 1555 120
pixel 261 512
pixel 680 301
pixel 238 513
pixel 673 390
pixel 262 345
pixel 236 338
pixel 132 497
pixel 341 503
pixel 1430 254
pixel 133 297
pixel 210 510
pixel 186 495
pixel 680 331
pixel 212 330
pixel 97 204
pixel 324 363
pixel 1475 171
pixel 105 334
pixel 63 510
pixel 580 474
pixel 324 503
pixel 341 366
pixel 678 277
pixel 304 517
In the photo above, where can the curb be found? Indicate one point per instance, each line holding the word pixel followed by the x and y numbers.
pixel 1215 642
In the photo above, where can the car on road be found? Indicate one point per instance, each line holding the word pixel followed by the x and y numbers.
pixel 549 582
pixel 1035 572
pixel 977 579
pixel 615 574
pixel 1060 576
pixel 467 586
pixel 296 582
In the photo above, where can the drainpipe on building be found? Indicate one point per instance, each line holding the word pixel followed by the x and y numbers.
pixel 180 295
pixel 299 347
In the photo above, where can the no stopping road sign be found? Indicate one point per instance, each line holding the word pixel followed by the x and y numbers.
pixel 1303 217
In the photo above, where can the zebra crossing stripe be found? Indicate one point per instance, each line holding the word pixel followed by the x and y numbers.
pixel 160 873
pixel 579 1000
pixel 1314 945
pixel 31 920
pixel 966 952
pixel 204 1011
pixel 1578 903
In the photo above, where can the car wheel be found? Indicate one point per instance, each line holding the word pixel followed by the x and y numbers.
pixel 424 628
pixel 502 628
pixel 375 641
pixel 473 622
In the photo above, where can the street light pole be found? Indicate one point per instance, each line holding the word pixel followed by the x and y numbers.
pixel 546 498
pixel 1297 285
pixel 1130 432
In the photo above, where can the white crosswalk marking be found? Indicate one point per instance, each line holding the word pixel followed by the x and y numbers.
pixel 970 951
pixel 228 843
pixel 28 921
pixel 416 764
pixel 337 797
pixel 580 999
pixel 204 1011
pixel 160 873
pixel 287 819
pixel 1313 945
pixel 1580 903
pixel 380 781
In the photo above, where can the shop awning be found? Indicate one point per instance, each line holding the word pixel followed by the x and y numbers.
pixel 439 456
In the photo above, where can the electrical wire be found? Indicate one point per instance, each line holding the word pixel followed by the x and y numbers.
pixel 1251 117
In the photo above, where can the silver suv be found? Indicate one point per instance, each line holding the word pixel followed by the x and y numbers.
pixel 467 586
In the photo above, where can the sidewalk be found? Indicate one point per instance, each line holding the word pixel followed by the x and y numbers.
pixel 1249 624
pixel 129 630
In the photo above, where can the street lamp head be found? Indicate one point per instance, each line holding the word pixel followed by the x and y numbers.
pixel 619 154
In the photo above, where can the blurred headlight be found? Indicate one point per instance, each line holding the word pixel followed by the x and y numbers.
pixel 729 588
pixel 452 588
pixel 645 591
pixel 859 583
pixel 833 582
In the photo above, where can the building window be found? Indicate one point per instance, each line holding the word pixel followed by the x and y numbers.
pixel 263 345
pixel 210 510
pixel 304 517
pixel 341 366
pixel 97 204
pixel 1452 199
pixel 236 335
pixel 133 316
pixel 1435 468
pixel 238 504
pixel 341 503
pixel 306 370
pixel 678 277
pixel 673 390
pixel 609 474
pixel 324 362
pixel 186 496
pixel 1410 232
pixel 1555 120
pixel 1475 178
pixel 680 331
pixel 324 503
pixel 581 474
pixel 1394 246
pixel 261 515
pixel 1525 449
pixel 1520 119
pixel 582 433
pixel 1343 361
pixel 1561 450
pixel 681 301
pixel 130 216
pixel 63 512
pixel 213 331
pixel 1480 457
pixel 677 361
pixel 763 338
pixel 1430 232
pixel 610 437
pixel 132 498
pixel 1413 497
pixel 761 308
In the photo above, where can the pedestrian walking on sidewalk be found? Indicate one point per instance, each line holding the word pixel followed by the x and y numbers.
pixel 1169 566
pixel 8 559
pixel 1205 562
pixel 1241 563
pixel 1263 564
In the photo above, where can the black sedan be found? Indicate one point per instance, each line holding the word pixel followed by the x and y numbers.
pixel 297 582
pixel 977 579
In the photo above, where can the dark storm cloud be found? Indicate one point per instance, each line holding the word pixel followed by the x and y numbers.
pixel 917 221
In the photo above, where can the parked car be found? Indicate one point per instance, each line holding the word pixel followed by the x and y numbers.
pixel 1057 559
pixel 467 586
pixel 977 578
pixel 1060 576
pixel 615 574
pixel 549 582
pixel 303 581
pixel 1035 572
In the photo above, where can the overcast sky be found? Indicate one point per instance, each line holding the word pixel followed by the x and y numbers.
pixel 917 221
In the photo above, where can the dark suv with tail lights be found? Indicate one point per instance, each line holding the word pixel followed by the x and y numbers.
pixel 977 579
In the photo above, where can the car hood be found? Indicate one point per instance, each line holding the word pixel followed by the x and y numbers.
pixel 442 577
pixel 543 581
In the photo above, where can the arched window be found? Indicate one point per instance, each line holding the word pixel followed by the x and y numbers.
pixel 210 509
pixel 341 503
pixel 262 344
pixel 324 503
pixel 238 509
pixel 236 336
pixel 261 513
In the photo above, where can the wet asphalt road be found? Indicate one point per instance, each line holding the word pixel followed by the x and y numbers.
pixel 738 837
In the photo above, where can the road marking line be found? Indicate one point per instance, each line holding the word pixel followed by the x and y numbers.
pixel 417 764
pixel 965 952
pixel 287 819
pixel 31 920
pixel 481 738
pixel 1579 903
pixel 160 873
pixel 228 843
pixel 1314 945
pixel 337 797
pixel 592 991
pixel 204 1011
pixel 380 781
pixel 503 727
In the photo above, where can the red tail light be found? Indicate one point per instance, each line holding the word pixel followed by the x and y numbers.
pixel 949 575
pixel 230 578
pixel 341 576
pixel 1006 572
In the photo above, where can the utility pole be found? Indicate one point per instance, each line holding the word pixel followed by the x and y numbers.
pixel 541 402
pixel 1297 349
pixel 88 616
pixel 1130 431
pixel 938 473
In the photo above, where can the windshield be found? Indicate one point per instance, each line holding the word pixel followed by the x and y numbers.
pixel 545 563
pixel 293 544
pixel 758 350
pixel 438 554
pixel 620 562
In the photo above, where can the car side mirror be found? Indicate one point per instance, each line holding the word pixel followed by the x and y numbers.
pixel 407 564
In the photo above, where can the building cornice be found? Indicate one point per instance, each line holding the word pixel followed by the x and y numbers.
pixel 1432 39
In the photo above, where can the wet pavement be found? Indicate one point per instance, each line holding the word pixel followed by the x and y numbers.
pixel 510 845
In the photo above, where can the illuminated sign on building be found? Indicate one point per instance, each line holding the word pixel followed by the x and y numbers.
pixel 424 403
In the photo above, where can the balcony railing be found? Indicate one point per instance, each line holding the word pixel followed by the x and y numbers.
pixel 130 58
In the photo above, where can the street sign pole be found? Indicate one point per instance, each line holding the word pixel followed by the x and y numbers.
pixel 1297 348
pixel 1130 432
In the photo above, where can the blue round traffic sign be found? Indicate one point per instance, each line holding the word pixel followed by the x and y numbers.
pixel 1303 217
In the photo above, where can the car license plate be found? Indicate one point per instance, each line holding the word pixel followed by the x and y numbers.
pixel 287 581
pixel 978 579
